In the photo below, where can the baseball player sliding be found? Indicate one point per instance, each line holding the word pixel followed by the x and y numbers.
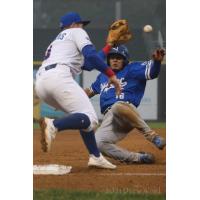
pixel 55 85
pixel 120 113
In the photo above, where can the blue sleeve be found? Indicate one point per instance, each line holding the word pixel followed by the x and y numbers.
pixel 102 54
pixel 96 86
pixel 87 64
pixel 155 69
pixel 146 70
pixel 93 59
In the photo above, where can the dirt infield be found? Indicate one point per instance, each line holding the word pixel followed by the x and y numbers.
pixel 68 149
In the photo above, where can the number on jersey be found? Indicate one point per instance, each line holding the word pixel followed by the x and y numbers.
pixel 121 96
pixel 48 52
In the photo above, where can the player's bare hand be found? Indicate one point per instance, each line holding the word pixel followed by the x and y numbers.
pixel 158 54
pixel 113 80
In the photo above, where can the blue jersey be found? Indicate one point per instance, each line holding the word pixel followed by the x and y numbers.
pixel 133 79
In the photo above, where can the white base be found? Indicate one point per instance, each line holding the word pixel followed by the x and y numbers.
pixel 51 169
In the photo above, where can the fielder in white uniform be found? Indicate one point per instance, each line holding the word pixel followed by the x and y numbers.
pixel 66 55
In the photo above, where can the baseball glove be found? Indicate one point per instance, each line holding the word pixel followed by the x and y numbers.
pixel 158 54
pixel 118 33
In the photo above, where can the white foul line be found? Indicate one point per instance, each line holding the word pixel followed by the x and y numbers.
pixel 132 174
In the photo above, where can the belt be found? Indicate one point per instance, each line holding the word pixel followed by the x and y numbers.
pixel 50 67
pixel 107 109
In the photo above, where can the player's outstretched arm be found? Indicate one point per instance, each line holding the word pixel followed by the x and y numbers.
pixel 104 51
pixel 157 57
pixel 118 34
pixel 90 54
pixel 102 54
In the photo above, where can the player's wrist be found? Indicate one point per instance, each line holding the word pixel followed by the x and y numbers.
pixel 110 44
pixel 157 62
pixel 107 48
pixel 109 72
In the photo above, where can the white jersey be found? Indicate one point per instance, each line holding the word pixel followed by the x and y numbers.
pixel 66 49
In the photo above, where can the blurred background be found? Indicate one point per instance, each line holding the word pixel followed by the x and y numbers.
pixel 102 13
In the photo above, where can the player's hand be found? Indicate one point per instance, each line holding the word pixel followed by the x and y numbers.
pixel 113 80
pixel 158 54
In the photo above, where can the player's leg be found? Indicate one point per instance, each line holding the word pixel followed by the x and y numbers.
pixel 81 115
pixel 130 112
pixel 58 89
pixel 78 117
pixel 107 138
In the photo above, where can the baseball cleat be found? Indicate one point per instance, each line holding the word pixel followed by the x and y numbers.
pixel 159 142
pixel 48 133
pixel 100 162
pixel 146 158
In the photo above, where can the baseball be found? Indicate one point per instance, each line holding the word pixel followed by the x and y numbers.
pixel 147 28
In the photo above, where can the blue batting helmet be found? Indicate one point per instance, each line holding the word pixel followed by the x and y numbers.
pixel 72 17
pixel 119 50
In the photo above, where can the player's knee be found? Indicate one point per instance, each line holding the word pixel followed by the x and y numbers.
pixel 92 123
pixel 85 120
pixel 119 108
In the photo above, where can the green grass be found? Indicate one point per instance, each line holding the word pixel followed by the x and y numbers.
pixel 157 124
pixel 82 195
pixel 151 124
pixel 35 125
